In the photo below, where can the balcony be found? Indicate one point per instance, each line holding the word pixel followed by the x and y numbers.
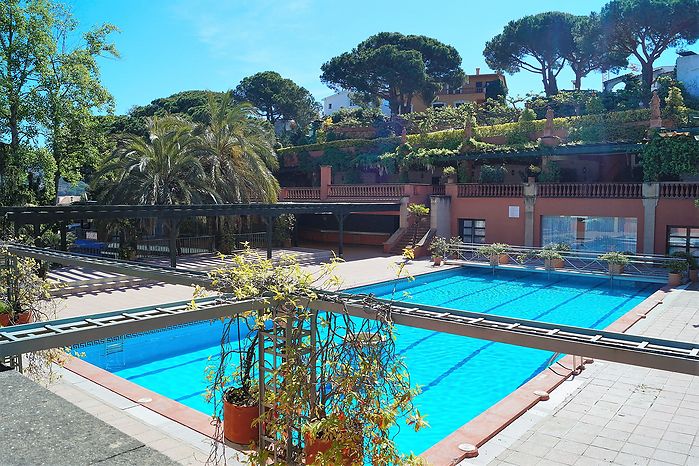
pixel 592 190
pixel 490 190
pixel 680 190
pixel 369 192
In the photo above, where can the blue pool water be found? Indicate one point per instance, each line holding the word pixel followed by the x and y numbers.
pixel 460 377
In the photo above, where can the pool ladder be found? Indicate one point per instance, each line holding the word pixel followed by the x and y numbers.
pixel 575 370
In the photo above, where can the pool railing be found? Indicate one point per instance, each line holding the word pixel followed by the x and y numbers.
pixel 641 267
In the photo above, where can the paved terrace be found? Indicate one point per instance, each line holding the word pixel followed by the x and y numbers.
pixel 617 414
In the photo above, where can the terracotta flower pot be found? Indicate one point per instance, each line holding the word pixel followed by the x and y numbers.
pixel 313 448
pixel 616 269
pixel 503 259
pixel 694 275
pixel 437 260
pixel 20 319
pixel 238 423
pixel 674 279
pixel 551 264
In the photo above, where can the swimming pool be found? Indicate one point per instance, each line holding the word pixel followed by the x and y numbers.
pixel 460 377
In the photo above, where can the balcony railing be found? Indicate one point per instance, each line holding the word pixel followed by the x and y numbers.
pixel 438 190
pixel 681 190
pixel 368 191
pixel 591 190
pixel 491 190
pixel 300 194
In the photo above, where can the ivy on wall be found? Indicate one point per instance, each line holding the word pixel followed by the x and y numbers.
pixel 669 156
pixel 424 149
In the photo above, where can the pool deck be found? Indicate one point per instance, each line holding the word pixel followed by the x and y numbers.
pixel 568 429
pixel 614 413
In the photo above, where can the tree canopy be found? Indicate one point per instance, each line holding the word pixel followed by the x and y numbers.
pixel 191 104
pixel 395 67
pixel 277 98
pixel 50 91
pixel 645 29
pixel 588 51
pixel 536 43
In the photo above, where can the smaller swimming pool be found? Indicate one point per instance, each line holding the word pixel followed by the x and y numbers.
pixel 460 377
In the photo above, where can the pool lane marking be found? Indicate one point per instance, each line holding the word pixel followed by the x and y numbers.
pixel 442 376
pixel 601 319
pixel 594 325
pixel 455 367
pixel 167 368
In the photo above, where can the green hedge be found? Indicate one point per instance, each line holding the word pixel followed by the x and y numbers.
pixel 423 149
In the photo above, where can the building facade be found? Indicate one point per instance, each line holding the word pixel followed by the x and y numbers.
pixel 474 90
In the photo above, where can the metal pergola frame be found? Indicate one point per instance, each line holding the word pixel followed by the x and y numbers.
pixel 44 215
pixel 638 350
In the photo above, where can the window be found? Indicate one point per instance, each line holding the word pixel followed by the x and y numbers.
pixel 683 239
pixel 438 104
pixel 598 234
pixel 330 106
pixel 472 230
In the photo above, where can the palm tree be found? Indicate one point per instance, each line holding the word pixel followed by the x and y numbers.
pixel 163 170
pixel 238 152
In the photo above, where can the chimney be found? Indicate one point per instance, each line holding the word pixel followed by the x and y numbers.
pixel 478 71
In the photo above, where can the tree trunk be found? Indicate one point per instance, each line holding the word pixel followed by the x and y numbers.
pixel 647 74
pixel 550 84
pixel 578 81
pixel 394 105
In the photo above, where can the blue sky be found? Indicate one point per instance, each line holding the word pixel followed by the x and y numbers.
pixel 169 46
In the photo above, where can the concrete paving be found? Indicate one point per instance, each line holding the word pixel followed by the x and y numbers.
pixel 616 414
pixel 39 427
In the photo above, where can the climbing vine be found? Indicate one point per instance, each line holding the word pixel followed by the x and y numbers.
pixel 669 156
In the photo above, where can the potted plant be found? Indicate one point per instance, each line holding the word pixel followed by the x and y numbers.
pixel 496 253
pixel 439 249
pixel 450 174
pixel 284 227
pixel 691 263
pixel 552 258
pixel 676 269
pixel 241 404
pixel 319 363
pixel 533 173
pixel 551 253
pixel 616 261
pixel 28 296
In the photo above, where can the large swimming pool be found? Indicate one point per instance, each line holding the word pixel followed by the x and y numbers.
pixel 460 377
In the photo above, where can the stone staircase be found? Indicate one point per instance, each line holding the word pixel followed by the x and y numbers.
pixel 407 238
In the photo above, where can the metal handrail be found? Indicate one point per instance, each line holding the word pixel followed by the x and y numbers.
pixel 639 265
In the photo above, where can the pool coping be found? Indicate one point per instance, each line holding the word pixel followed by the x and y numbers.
pixel 474 433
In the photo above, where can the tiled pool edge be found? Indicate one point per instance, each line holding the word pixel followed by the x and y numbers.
pixel 446 452
pixel 167 407
pixel 496 418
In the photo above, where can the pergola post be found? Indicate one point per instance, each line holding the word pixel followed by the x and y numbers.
pixel 64 236
pixel 172 244
pixel 270 225
pixel 341 233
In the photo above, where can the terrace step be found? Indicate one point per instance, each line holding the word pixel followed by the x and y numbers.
pixel 407 238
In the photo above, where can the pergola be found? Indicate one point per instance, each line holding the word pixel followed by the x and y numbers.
pixel 62 215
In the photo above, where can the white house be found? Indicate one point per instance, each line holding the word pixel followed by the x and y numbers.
pixel 686 67
pixel 688 72
pixel 335 102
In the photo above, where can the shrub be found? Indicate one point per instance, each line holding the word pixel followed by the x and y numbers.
pixel 614 258
pixel 492 174
pixel 670 156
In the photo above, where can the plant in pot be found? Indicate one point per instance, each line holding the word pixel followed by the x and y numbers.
pixel 551 253
pixel 616 261
pixel 676 269
pixel 450 174
pixel 283 229
pixel 533 172
pixel 552 258
pixel 333 387
pixel 692 264
pixel 27 298
pixel 439 248
pixel 240 397
pixel 496 253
